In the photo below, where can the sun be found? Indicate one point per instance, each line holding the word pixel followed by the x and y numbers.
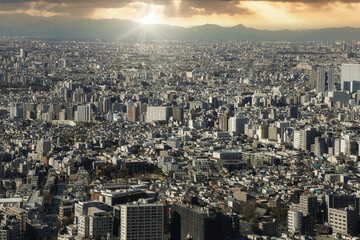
pixel 150 19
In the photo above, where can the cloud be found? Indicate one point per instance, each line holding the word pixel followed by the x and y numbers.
pixel 171 8
pixel 83 8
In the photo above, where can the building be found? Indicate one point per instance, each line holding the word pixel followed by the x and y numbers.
pixel 100 223
pixel 198 224
pixel 142 221
pixel 343 221
pixel 133 113
pixel 331 79
pixel 12 225
pixel 157 114
pixel 84 211
pixel 350 77
pixel 236 125
pixel 321 80
pixel 228 159
pixel 84 113
pixel 295 221
pixel 340 202
pixel 293 112
pixel 20 215
pixel 266 226
pixel 308 204
pixel 303 138
pixel 43 146
pixel 16 111
pixel 178 114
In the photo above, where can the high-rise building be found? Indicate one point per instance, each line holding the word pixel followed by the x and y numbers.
pixel 350 77
pixel 23 54
pixel 178 113
pixel 340 202
pixel 321 80
pixel 295 218
pixel 19 213
pixel 236 125
pixel 43 146
pixel 331 79
pixel 343 221
pixel 293 112
pixel 16 111
pixel 198 224
pixel 84 113
pixel 319 146
pixel 303 138
pixel 142 221
pixel 308 204
pixel 133 113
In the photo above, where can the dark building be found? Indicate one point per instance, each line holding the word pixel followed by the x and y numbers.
pixel 199 224
pixel 293 112
pixel 341 201
pixel 178 114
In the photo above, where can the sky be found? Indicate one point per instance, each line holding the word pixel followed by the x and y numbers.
pixel 270 14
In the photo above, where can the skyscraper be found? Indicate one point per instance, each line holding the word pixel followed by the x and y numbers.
pixel 84 113
pixel 350 77
pixel 331 79
pixel 321 80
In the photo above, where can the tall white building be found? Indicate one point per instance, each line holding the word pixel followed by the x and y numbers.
pixel 298 139
pixel 142 221
pixel 350 77
pixel 92 219
pixel 157 114
pixel 237 124
pixel 84 113
pixel 16 111
pixel 294 221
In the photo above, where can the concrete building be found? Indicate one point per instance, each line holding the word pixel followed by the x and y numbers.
pixel 350 77
pixel 142 221
pixel 236 125
pixel 295 221
pixel 343 221
pixel 84 113
pixel 100 223
pixel 157 114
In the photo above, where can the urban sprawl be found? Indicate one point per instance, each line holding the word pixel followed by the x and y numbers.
pixel 159 140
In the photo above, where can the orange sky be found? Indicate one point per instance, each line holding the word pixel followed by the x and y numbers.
pixel 271 14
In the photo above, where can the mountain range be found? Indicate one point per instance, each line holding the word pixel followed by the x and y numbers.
pixel 114 29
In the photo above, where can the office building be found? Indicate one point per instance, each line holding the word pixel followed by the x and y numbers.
pixel 321 80
pixel 198 224
pixel 236 125
pixel 343 221
pixel 142 221
pixel 84 113
pixel 295 218
pixel 157 114
pixel 350 77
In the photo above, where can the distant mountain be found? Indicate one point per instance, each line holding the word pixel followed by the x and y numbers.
pixel 69 28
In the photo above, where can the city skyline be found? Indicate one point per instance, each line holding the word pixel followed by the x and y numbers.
pixel 270 15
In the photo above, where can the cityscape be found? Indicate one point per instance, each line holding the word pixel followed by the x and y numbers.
pixel 204 133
